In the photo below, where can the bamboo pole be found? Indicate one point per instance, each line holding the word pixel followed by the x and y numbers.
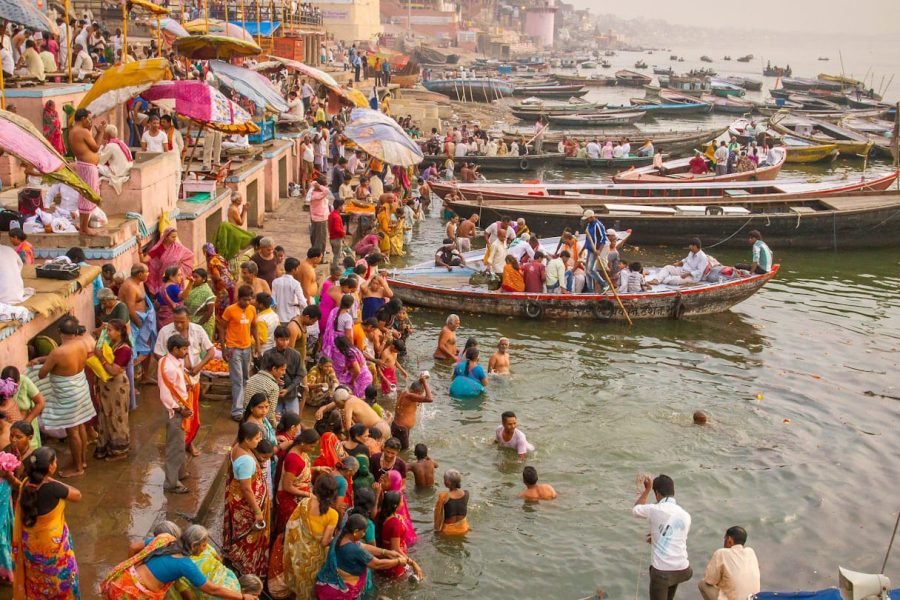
pixel 182 10
pixel 68 42
pixel 258 26
pixel 243 17
pixel 226 15
pixel 272 22
pixel 206 17
pixel 124 32
pixel 158 37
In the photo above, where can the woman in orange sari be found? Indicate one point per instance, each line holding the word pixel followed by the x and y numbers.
pixel 512 279
pixel 247 506
pixel 383 216
pixel 332 451
pixel 41 543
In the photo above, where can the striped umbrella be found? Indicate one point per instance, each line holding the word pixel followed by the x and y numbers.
pixel 250 84
pixel 380 136
pixel 25 12
pixel 198 101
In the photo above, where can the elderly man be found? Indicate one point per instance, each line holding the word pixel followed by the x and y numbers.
pixel 30 63
pixel 115 159
pixel 495 257
pixel 84 64
pixel 266 262
pixel 250 277
pixel 446 346
pixel 693 269
pixel 733 571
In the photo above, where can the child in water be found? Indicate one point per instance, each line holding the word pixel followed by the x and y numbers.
pixel 424 467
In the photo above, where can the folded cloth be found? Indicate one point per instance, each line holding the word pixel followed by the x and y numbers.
pixel 146 335
pixel 231 239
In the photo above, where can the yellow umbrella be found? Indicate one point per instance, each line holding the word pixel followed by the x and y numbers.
pixel 358 98
pixel 145 5
pixel 218 27
pixel 209 47
pixel 123 82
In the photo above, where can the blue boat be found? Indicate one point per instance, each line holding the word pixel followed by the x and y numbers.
pixel 471 90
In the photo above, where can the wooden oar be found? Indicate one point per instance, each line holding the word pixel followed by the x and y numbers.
pixel 590 241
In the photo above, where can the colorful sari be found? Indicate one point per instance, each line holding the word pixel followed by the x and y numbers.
pixel 245 546
pixel 123 583
pixel 330 585
pixel 163 255
pixel 384 226
pixel 304 554
pixel 212 568
pixel 52 128
pixel 7 566
pixel 285 502
pixel 512 279
pixel 220 279
pixel 397 484
pixel 332 451
pixel 343 367
pixel 396 236
pixel 44 557
pixel 199 298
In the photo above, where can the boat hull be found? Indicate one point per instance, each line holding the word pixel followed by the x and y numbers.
pixel 677 174
pixel 605 163
pixel 598 120
pixel 529 162
pixel 827 229
pixel 689 301
pixel 477 90
pixel 811 154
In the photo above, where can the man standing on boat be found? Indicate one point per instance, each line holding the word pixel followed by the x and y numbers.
pixel 596 245
pixel 539 128
pixel 722 159
pixel 669 527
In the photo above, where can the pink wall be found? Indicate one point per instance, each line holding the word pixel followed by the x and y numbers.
pixel 539 24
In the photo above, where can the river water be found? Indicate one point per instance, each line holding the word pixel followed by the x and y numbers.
pixel 798 451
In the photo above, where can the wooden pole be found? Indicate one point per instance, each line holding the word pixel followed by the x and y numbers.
pixel 68 42
pixel 124 33
pixel 590 241
pixel 258 26
pixel 182 11
pixel 2 92
pixel 226 15
pixel 206 17
pixel 158 37
pixel 243 17
pixel 272 22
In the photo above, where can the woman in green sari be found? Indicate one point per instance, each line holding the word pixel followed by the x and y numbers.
pixel 201 303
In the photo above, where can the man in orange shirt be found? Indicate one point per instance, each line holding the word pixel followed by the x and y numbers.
pixel 238 328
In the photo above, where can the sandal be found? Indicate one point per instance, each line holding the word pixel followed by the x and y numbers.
pixel 176 490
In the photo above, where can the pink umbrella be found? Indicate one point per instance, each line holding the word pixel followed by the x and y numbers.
pixel 198 101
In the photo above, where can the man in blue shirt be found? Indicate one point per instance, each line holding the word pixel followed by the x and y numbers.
pixel 762 255
pixel 596 246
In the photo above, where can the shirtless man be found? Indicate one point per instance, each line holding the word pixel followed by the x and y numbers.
pixel 446 347
pixel 133 294
pixel 452 224
pixel 465 232
pixel 70 406
pixel 499 362
pixel 237 212
pixel 534 490
pixel 424 467
pixel 406 407
pixel 249 272
pixel 86 150
pixel 356 410
pixel 307 274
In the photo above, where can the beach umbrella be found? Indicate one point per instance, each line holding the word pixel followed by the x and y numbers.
pixel 251 85
pixel 199 102
pixel 217 27
pixel 26 12
pixel 121 83
pixel 21 139
pixel 209 47
pixel 169 30
pixel 337 93
pixel 380 136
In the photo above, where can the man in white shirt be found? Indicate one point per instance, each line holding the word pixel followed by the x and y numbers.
pixel 693 269
pixel 491 231
pixel 669 528
pixel 556 273
pixel 528 248
pixel 174 395
pixel 81 38
pixel 306 93
pixel 626 147
pixel 539 128
pixel 721 156
pixel 618 151
pixel 495 258
pixel 288 293
pixel 733 571
pixel 593 149
pixel 295 108
pixel 68 201
pixel 9 65
pixel 154 138
pixel 461 150
pixel 83 64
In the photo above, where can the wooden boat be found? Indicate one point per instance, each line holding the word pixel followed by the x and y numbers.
pixel 705 59
pixel 723 88
pixel 803 151
pixel 532 111
pixel 476 90
pixel 529 162
pixel 692 86
pixel 849 143
pixel 525 194
pixel 550 91
pixel 840 79
pixel 632 78
pixel 662 71
pixel 770 71
pixel 809 102
pixel 848 220
pixel 606 163
pixel 586 81
pixel 658 108
pixel 877 131
pixel 588 64
pixel 727 104
pixel 672 142
pixel 640 65
pixel 745 59
pixel 436 287
pixel 678 172
pixel 751 85
pixel 598 119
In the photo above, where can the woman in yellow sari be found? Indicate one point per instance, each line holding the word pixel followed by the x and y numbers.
pixel 396 239
pixel 41 543
pixel 383 217
pixel 308 535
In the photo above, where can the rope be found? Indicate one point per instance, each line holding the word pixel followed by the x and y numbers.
pixel 637 584
pixel 732 235
pixel 893 535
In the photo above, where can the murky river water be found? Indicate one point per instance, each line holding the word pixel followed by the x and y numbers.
pixel 801 385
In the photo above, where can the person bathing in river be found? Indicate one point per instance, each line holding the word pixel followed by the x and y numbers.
pixel 446 346
pixel 508 436
pixel 424 467
pixel 533 489
pixel 499 362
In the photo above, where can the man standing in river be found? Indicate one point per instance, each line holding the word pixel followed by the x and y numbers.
pixel 406 407
pixel 669 527
pixel 86 149
pixel 446 346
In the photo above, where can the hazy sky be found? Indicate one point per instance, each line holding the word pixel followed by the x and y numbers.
pixel 825 16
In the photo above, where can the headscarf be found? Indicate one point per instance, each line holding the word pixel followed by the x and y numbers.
pixel 52 128
pixel 363 477
pixel 330 455
pixel 162 257
pixel 395 481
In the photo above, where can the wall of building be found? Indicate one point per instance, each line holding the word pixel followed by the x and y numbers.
pixel 351 20
pixel 539 24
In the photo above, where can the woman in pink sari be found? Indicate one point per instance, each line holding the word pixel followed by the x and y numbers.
pixel 392 481
pixel 52 128
pixel 168 252
pixel 350 366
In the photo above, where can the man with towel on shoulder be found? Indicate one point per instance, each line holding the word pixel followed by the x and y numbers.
pixel 86 149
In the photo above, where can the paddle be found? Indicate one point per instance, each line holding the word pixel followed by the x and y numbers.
pixel 590 241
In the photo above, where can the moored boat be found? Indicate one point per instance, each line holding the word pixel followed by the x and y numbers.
pixel 550 91
pixel 534 110
pixel 594 80
pixel 436 287
pixel 728 104
pixel 803 151
pixel 476 90
pixel 669 141
pixel 632 78
pixel 622 162
pixel 849 143
pixel 678 172
pixel 666 108
pixel 751 85
pixel 598 119
pixel 527 162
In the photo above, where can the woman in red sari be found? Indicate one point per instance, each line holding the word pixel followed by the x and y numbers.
pixel 332 451
pixel 295 482
pixel 391 535
pixel 168 252
pixel 247 506
pixel 52 128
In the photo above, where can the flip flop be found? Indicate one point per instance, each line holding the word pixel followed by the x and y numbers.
pixel 176 490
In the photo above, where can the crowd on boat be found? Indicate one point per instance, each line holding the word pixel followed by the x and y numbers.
pixel 607 149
